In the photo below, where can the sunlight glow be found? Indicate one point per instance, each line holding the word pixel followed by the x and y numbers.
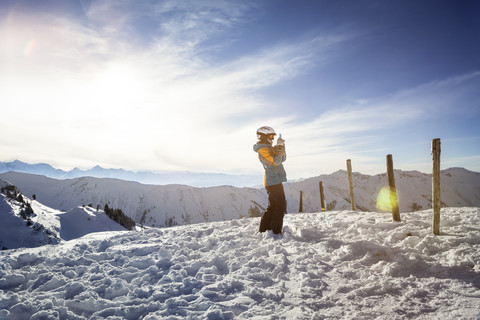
pixel 384 199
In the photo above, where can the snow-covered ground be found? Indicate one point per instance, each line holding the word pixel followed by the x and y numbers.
pixel 333 265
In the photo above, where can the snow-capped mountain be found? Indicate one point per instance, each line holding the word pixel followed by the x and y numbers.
pixel 197 179
pixel 459 187
pixel 39 168
pixel 169 205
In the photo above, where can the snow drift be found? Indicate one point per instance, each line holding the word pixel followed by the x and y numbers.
pixel 334 265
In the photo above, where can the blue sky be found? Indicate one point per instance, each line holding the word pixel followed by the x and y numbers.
pixel 183 85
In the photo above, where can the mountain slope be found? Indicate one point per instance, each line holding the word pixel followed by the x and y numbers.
pixel 147 204
pixel 80 221
pixel 178 204
pixel 459 187
pixel 21 224
pixel 29 223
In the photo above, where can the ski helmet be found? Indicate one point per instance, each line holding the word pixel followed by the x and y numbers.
pixel 267 132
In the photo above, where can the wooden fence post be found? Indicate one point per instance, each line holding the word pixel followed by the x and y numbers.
pixel 300 209
pixel 350 184
pixel 436 186
pixel 322 198
pixel 393 189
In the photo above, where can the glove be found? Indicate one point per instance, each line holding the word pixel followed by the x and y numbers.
pixel 279 150
pixel 280 141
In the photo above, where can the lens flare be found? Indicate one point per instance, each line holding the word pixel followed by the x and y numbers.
pixel 384 199
pixel 29 48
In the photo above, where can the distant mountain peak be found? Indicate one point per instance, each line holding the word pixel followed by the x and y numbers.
pixel 195 179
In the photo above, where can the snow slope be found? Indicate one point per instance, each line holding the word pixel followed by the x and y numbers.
pixel 169 205
pixel 46 225
pixel 334 265
pixel 14 231
pixel 80 221
pixel 32 230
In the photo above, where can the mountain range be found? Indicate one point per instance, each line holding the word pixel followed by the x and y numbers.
pixel 197 179
pixel 168 205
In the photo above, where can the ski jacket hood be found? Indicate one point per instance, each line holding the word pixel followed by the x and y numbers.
pixel 271 158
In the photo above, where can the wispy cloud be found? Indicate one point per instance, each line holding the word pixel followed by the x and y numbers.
pixel 137 85
pixel 442 96
pixel 358 130
pixel 113 98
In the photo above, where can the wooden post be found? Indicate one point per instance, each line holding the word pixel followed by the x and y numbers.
pixel 350 184
pixel 322 198
pixel 393 189
pixel 436 186
pixel 300 209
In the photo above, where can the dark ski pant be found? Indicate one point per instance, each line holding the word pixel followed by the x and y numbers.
pixel 272 219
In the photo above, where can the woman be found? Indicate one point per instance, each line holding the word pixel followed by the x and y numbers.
pixel 271 158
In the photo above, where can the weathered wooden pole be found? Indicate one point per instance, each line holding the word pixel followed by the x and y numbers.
pixel 322 198
pixel 300 209
pixel 350 184
pixel 436 186
pixel 393 189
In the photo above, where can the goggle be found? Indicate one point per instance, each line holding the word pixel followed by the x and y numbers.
pixel 268 136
